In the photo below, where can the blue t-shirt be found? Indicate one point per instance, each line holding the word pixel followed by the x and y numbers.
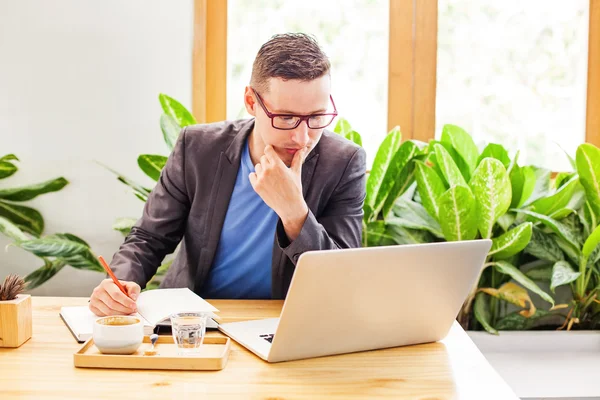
pixel 242 265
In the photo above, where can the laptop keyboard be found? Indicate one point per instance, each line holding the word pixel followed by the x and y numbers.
pixel 268 337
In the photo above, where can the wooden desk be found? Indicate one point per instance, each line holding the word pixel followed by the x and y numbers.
pixel 451 369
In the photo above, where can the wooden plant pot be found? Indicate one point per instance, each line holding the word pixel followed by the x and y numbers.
pixel 15 321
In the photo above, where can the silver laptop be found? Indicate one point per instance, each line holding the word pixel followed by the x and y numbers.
pixel 343 301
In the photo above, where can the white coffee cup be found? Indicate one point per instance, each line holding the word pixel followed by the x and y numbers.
pixel 118 334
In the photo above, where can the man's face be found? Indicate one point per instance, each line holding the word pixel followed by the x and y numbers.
pixel 289 97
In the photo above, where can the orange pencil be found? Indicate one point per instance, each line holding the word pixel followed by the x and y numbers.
pixel 114 278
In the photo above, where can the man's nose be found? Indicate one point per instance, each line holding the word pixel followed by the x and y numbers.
pixel 300 134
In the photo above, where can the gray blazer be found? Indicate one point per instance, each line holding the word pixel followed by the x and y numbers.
pixel 192 195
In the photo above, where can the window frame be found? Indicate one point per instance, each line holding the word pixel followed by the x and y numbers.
pixel 411 91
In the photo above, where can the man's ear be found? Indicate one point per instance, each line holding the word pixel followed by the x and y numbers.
pixel 250 101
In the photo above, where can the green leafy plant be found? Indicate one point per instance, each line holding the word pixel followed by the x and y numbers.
pixel 25 225
pixel 175 117
pixel 390 183
pixel 487 195
pixel 462 194
pixel 568 241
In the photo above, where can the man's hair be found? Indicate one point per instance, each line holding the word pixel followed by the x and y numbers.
pixel 288 56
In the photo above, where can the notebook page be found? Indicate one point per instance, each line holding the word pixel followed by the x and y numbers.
pixel 80 320
pixel 158 304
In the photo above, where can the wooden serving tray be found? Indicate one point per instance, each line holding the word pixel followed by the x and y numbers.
pixel 213 355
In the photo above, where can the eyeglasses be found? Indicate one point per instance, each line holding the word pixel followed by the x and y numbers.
pixel 290 121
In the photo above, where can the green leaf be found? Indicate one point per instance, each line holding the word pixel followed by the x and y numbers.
pixel 517 180
pixel 511 242
pixel 541 184
pixel 170 129
pixel 431 159
pixel 578 199
pixel 53 247
pixel 401 186
pixel 402 235
pixel 178 112
pixel 464 146
pixel 562 213
pixel 384 157
pixel 560 199
pixel 124 225
pixel 430 188
pixel 588 168
pixel 591 242
pixel 481 308
pixel 143 198
pixel 374 233
pixel 84 260
pixel 448 167
pixel 557 227
pixel 457 215
pixel 517 322
pixel 11 230
pixel 410 214
pixel 562 178
pixel 25 193
pixel 492 191
pixel 513 163
pixel 402 157
pixel 69 236
pixel 562 274
pixel 26 218
pixel 521 278
pixel 571 160
pixel 152 165
pixel 571 253
pixel 542 273
pixel 7 169
pixel 589 217
pixel 342 127
pixel 44 273
pixel 355 137
pixel 137 188
pixel 506 221
pixel 9 157
pixel 528 185
pixel 543 246
pixel 497 152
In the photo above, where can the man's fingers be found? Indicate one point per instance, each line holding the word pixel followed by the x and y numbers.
pixel 112 304
pixel 272 155
pixel 253 179
pixel 298 160
pixel 115 293
pixel 259 169
pixel 133 289
pixel 99 308
pixel 264 160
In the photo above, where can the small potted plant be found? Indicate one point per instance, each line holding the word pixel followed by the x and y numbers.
pixel 15 312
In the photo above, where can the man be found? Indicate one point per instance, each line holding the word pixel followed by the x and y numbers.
pixel 249 196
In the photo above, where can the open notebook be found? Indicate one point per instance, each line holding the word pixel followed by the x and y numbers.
pixel 154 308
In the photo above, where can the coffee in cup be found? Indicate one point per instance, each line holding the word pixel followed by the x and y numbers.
pixel 118 334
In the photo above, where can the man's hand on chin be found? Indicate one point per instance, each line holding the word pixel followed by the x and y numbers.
pixel 280 188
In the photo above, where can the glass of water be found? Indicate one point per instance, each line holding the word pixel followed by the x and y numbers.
pixel 188 330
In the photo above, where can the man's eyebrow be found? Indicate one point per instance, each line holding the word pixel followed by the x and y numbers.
pixel 319 111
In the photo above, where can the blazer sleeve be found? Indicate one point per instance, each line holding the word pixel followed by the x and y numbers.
pixel 340 225
pixel 162 225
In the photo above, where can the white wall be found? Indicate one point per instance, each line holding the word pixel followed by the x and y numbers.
pixel 79 81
